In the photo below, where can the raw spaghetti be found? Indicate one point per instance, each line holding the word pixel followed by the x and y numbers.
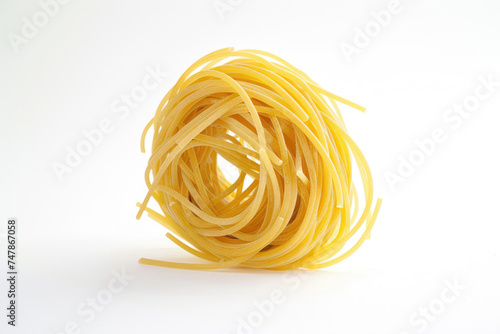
pixel 293 204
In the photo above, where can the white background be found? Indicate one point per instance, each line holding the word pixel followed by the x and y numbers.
pixel 438 227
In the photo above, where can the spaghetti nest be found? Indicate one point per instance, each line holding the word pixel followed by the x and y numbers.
pixel 293 203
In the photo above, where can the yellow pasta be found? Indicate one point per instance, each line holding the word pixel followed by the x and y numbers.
pixel 294 202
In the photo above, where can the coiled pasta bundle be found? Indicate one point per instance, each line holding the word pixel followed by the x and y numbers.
pixel 285 134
